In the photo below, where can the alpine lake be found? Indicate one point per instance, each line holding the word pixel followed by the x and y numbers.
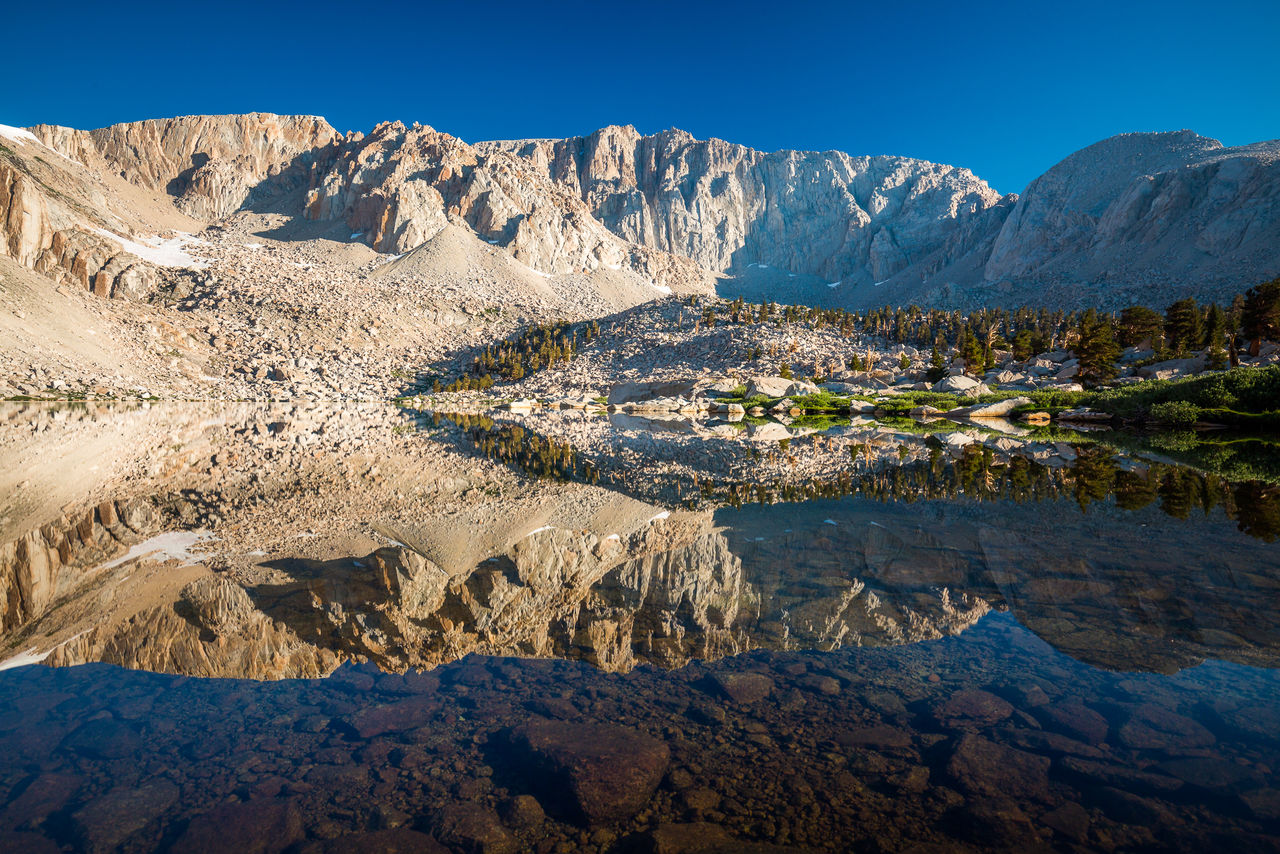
pixel 336 628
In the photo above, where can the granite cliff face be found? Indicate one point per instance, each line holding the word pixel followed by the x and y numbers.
pixel 855 219
pixel 1139 217
pixel 53 220
pixel 398 187
pixel 210 165
pixel 1151 211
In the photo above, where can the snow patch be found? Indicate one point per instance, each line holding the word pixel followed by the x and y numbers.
pixel 663 515
pixel 251 245
pixel 171 545
pixel 19 135
pixel 162 251
pixel 14 134
pixel 540 530
pixel 31 656
pixel 661 288
pixel 834 284
pixel 878 284
pixel 830 522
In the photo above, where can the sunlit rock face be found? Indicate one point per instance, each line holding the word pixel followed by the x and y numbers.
pixel 41 565
pixel 829 214
pixel 210 165
pixel 399 187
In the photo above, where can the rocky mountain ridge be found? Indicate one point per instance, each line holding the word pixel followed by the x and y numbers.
pixel 1141 217
pixel 844 218
pixel 1137 217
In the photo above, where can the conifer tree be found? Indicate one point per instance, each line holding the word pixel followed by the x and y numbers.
pixel 1260 315
pixel 1182 326
pixel 1097 349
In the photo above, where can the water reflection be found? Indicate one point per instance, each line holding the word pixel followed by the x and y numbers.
pixel 944 644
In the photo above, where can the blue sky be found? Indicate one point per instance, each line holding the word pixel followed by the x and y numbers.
pixel 1004 88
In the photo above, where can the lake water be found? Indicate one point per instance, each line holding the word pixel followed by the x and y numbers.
pixel 360 629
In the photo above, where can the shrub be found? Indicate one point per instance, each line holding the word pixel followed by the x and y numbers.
pixel 1176 413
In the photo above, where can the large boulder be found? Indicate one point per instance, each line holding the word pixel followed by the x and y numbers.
pixel 771 432
pixel 984 769
pixel 254 827
pixel 999 409
pixel 602 772
pixel 643 391
pixel 962 385
pixel 778 387
pixel 1173 368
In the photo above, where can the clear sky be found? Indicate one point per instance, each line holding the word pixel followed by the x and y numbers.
pixel 1004 88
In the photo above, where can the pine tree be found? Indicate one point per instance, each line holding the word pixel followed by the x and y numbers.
pixel 971 350
pixel 937 367
pixel 1022 349
pixel 1182 326
pixel 1260 315
pixel 1214 326
pixel 1097 349
pixel 1139 323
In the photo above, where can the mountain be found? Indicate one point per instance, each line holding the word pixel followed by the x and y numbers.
pixel 1146 217
pixel 1151 216
pixel 844 218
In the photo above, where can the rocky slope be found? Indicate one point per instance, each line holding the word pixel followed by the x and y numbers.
pixel 57 218
pixel 1148 217
pixel 293 265
pixel 400 186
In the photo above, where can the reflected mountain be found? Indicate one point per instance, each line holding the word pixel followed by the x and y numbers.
pixel 1120 563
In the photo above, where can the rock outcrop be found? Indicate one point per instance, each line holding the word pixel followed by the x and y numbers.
pixel 400 186
pixel 1139 217
pixel 47 562
pixel 50 222
pixel 211 165
pixel 1136 218
pixel 854 219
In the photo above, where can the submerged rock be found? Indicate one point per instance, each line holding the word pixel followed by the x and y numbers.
pixel 604 772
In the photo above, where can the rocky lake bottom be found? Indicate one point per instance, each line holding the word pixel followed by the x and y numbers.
pixel 316 631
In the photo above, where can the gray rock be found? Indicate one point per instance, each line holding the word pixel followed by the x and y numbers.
pixel 778 387
pixel 107 821
pixel 962 385
pixel 253 827
pixel 999 409
pixel 607 772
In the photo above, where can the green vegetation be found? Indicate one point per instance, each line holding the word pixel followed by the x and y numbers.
pixel 537 347
pixel 535 455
